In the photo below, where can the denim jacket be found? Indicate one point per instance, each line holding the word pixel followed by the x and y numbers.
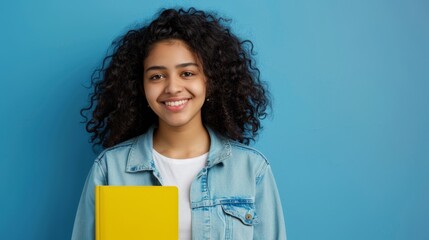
pixel 233 197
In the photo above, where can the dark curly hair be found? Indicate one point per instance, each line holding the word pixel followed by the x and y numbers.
pixel 238 98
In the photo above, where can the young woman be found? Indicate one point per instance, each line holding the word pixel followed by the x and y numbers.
pixel 177 104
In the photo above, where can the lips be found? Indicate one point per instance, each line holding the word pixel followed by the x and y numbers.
pixel 176 103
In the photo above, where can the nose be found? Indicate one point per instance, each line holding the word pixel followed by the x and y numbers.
pixel 173 85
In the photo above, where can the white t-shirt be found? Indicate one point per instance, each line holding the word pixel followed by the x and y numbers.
pixel 180 173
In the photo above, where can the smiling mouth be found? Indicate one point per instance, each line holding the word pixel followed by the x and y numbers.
pixel 176 103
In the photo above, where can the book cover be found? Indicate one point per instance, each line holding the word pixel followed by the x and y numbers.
pixel 136 212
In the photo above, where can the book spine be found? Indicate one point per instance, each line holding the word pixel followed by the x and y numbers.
pixel 97 213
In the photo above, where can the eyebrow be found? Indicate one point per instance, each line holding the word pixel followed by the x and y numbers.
pixel 182 65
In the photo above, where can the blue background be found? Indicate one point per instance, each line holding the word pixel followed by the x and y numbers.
pixel 348 140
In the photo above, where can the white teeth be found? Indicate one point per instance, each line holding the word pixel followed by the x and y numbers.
pixel 176 103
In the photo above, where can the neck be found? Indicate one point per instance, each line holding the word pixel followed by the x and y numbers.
pixel 181 142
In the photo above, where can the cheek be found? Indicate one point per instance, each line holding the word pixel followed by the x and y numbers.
pixel 201 88
pixel 206 87
pixel 199 92
pixel 149 92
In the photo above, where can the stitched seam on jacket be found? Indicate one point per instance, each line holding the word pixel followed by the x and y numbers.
pixel 102 171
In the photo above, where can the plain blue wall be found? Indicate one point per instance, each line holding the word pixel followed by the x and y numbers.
pixel 348 141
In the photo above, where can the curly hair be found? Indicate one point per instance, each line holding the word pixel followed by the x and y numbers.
pixel 238 99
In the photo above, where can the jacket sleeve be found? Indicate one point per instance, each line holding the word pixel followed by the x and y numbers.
pixel 268 208
pixel 84 225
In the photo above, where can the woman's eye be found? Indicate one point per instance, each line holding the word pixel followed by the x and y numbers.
pixel 187 74
pixel 156 77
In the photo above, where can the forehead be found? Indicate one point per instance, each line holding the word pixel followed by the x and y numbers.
pixel 170 51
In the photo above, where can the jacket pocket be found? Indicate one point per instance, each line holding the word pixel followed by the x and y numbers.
pixel 245 212
pixel 240 217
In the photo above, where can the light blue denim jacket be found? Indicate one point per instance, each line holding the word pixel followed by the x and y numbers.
pixel 233 197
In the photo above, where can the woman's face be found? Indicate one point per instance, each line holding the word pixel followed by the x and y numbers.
pixel 174 83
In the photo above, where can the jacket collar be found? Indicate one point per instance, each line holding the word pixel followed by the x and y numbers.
pixel 140 156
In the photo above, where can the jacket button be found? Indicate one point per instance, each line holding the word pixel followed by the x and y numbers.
pixel 248 216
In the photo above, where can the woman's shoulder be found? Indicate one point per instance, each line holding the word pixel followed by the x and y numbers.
pixel 244 160
pixel 119 150
pixel 242 149
pixel 247 157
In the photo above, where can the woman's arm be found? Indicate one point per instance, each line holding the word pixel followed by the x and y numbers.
pixel 271 224
pixel 84 224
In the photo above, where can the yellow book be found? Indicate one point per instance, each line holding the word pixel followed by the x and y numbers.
pixel 136 212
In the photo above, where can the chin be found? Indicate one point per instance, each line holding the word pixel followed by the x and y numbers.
pixel 176 123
